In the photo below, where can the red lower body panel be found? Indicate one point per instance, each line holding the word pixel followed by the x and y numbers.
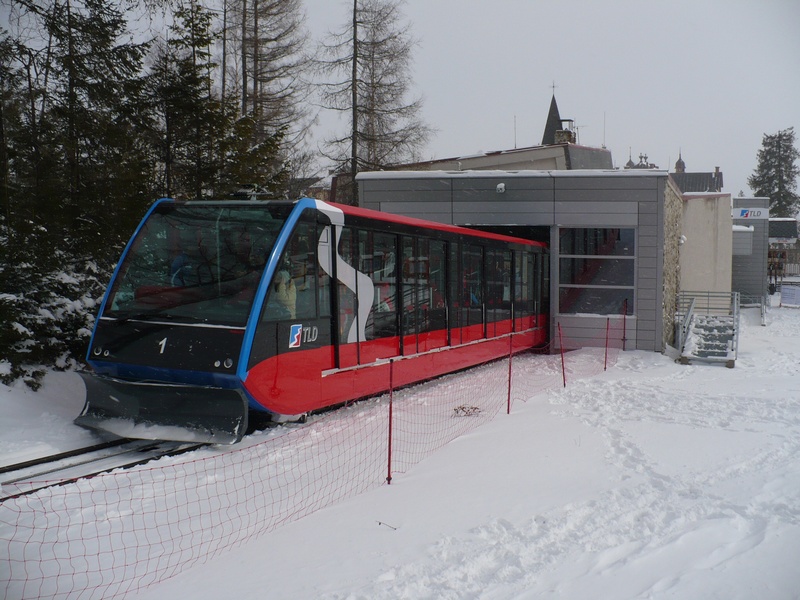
pixel 298 382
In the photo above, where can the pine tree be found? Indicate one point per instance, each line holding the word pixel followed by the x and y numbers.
pixel 775 177
pixel 78 118
pixel 72 174
pixel 269 38
pixel 191 117
pixel 370 60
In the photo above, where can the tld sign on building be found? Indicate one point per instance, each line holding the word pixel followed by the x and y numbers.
pixel 750 213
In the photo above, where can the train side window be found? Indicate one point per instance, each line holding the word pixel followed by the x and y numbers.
pixel 347 296
pixel 293 292
pixel 412 272
pixel 454 295
pixel 523 284
pixel 494 283
pixel 437 278
pixel 303 265
pixel 472 289
pixel 498 285
pixel 323 251
pixel 378 260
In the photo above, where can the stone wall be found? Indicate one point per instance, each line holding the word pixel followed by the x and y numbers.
pixel 673 216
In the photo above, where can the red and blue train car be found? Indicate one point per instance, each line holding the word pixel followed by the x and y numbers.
pixel 220 309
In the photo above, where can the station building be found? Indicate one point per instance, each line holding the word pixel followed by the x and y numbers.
pixel 623 242
pixel 614 236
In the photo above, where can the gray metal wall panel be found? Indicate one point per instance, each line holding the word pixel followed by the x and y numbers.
pixel 405 207
pixel 592 207
pixel 647 278
pixel 646 219
pixel 647 262
pixel 648 234
pixel 647 293
pixel 541 186
pixel 589 331
pixel 648 208
pixel 413 197
pixel 622 181
pixel 595 214
pixel 742 243
pixel 482 217
pixel 599 219
pixel 645 304
pixel 646 250
pixel 405 184
pixel 613 196
pixel 749 275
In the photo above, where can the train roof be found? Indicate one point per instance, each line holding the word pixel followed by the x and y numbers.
pixel 412 221
pixel 375 214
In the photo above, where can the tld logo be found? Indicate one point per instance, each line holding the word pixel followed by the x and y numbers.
pixel 750 213
pixel 299 334
pixel 294 336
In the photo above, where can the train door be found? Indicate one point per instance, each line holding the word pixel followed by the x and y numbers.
pixel 454 286
pixel 432 297
pixel 498 292
pixel 347 295
pixel 524 303
pixel 378 260
pixel 294 335
pixel 472 294
pixel 414 269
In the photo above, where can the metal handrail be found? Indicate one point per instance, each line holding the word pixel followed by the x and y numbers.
pixel 683 329
pixel 735 310
pixel 709 303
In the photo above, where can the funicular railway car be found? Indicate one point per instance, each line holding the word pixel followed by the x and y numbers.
pixel 217 309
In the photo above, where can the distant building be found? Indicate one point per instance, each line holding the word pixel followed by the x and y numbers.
pixel 782 231
pixel 784 254
pixel 704 183
pixel 558 152
pixel 642 164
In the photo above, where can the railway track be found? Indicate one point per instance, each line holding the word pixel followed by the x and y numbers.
pixel 31 476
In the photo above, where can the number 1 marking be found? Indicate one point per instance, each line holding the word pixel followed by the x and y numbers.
pixel 163 344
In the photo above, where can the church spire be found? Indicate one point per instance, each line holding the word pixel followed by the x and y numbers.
pixel 553 124
pixel 680 166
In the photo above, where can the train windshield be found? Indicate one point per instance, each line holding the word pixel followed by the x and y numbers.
pixel 197 263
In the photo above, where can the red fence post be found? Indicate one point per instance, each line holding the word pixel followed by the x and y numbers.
pixel 510 356
pixel 563 368
pixel 391 415
pixel 624 314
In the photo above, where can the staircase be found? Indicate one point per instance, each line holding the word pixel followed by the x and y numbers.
pixel 710 327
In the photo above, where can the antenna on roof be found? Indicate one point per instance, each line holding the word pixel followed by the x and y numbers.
pixel 515 132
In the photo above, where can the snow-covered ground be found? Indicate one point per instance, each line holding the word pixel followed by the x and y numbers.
pixel 651 480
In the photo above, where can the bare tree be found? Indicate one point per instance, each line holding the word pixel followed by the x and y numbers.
pixel 269 38
pixel 369 61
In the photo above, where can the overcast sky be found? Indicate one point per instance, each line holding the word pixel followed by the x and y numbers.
pixel 704 77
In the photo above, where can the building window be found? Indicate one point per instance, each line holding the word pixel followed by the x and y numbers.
pixel 597 271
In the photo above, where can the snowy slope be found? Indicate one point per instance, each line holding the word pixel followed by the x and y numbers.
pixel 652 480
